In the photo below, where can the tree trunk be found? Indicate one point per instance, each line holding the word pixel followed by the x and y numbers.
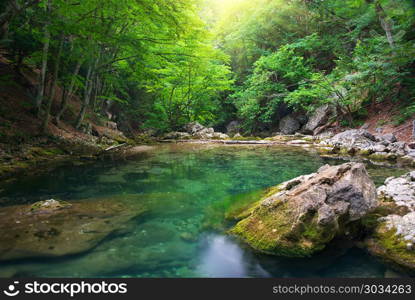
pixel 69 93
pixel 12 10
pixel 42 75
pixel 53 86
pixel 87 96
pixel 385 23
pixel 5 18
pixel 95 93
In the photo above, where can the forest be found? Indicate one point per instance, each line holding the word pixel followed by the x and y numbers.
pixel 163 64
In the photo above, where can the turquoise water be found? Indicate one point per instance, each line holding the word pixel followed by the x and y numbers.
pixel 187 189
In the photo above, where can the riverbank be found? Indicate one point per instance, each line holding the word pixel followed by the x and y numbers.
pixel 47 154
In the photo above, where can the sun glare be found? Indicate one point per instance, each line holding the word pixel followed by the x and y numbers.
pixel 223 5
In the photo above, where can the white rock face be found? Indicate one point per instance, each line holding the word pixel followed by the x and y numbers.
pixel 320 117
pixel 196 130
pixel 405 226
pixel 354 138
pixel 400 189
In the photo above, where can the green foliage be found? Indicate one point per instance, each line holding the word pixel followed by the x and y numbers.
pixel 161 64
pixel 283 76
pixel 301 54
pixel 136 52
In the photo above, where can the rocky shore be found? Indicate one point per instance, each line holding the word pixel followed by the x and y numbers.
pixel 378 148
pixel 301 217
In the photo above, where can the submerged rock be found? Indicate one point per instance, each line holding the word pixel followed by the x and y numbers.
pixel 54 228
pixel 393 237
pixel 300 216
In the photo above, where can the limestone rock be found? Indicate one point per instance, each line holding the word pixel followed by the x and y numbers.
pixel 198 131
pixel 193 128
pixel 354 138
pixel 302 215
pixel 177 135
pixel 390 137
pixel 320 117
pixel 394 235
pixel 401 190
pixel 233 128
pixel 393 241
pixel 289 125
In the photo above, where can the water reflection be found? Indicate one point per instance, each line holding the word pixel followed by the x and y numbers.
pixel 222 257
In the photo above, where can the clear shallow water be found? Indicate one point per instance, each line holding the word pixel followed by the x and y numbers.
pixel 187 189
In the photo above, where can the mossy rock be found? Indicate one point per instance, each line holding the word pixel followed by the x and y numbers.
pixel 300 217
pixel 391 249
pixel 378 156
pixel 365 152
pixel 272 232
pixel 221 215
pixel 326 150
pixel 246 138
pixel 241 206
pixel 406 161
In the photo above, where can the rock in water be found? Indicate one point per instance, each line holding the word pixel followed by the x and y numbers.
pixel 394 235
pixel 299 217
pixel 54 228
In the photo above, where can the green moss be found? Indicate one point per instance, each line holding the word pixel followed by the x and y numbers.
pixel 393 248
pixel 407 161
pixel 380 157
pixel 365 152
pixel 270 230
pixel 325 150
pixel 21 165
pixel 38 151
pixel 241 206
pixel 232 208
pixel 246 138
pixel 40 205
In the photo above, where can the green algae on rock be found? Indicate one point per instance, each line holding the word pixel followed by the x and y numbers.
pixel 309 211
pixel 54 228
pixel 392 248
pixel 393 235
